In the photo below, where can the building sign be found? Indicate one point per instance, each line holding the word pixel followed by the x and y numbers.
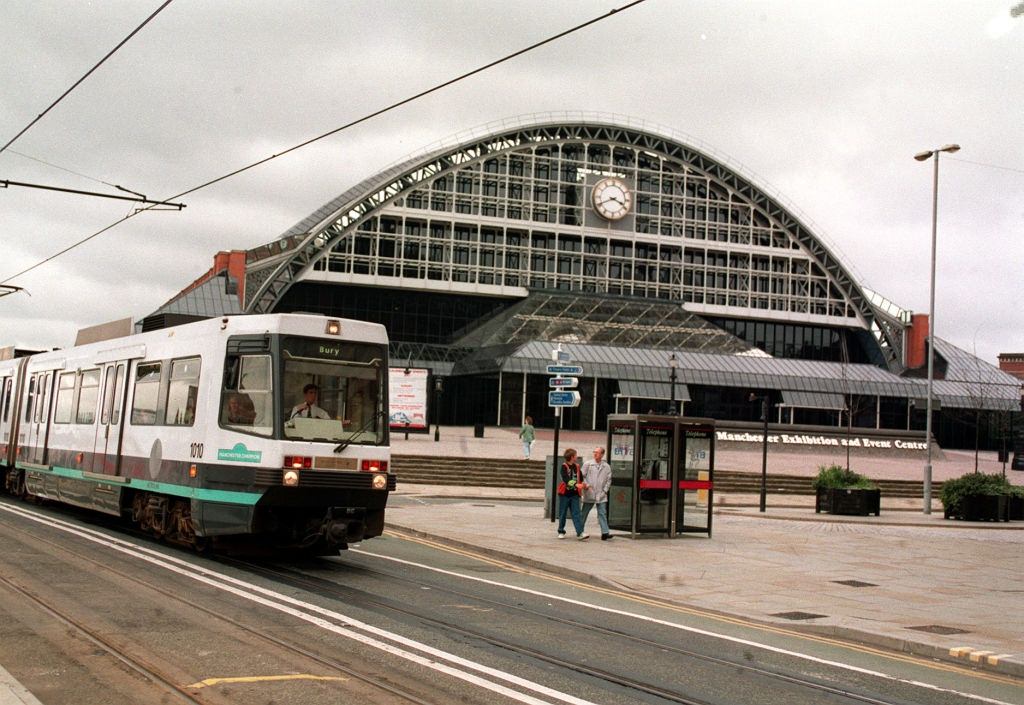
pixel 407 398
pixel 813 440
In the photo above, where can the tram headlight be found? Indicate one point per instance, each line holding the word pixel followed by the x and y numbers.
pixel 291 478
pixel 380 481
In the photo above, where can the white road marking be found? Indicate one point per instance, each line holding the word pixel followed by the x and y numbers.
pixel 260 595
pixel 694 630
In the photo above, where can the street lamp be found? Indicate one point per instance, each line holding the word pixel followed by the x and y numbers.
pixel 763 398
pixel 673 363
pixel 923 156
pixel 437 410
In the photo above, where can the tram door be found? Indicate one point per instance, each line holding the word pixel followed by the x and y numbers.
pixel 6 399
pixel 36 414
pixel 106 456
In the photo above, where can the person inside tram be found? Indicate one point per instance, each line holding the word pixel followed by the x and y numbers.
pixel 240 410
pixel 359 408
pixel 308 408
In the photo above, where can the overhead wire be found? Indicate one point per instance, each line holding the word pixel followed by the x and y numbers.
pixel 990 166
pixel 87 74
pixel 75 173
pixel 336 130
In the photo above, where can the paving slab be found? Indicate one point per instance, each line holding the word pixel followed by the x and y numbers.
pixel 12 692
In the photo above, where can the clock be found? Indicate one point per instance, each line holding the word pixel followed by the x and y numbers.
pixel 611 198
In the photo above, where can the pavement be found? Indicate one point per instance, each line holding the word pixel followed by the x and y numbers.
pixel 12 692
pixel 920 584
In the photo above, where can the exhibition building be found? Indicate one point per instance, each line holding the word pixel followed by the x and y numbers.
pixel 670 276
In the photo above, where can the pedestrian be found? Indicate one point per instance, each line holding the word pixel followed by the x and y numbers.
pixel 527 434
pixel 597 479
pixel 571 482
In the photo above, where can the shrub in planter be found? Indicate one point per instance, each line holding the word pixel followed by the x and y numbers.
pixel 976 497
pixel 1016 502
pixel 842 491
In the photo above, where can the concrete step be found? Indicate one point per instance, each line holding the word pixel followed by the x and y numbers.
pixel 491 472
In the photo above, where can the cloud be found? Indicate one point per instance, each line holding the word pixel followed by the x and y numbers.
pixel 826 102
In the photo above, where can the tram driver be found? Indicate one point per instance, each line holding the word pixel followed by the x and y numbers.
pixel 308 408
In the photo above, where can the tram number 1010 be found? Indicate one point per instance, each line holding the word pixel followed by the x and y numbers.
pixel 196 450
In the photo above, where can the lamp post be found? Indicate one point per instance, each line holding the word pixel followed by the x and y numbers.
pixel 923 156
pixel 437 410
pixel 407 373
pixel 673 363
pixel 763 398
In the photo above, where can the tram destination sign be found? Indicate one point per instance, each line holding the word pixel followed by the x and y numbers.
pixel 563 398
pixel 566 382
pixel 565 369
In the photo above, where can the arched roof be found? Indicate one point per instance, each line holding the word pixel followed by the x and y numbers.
pixel 273 269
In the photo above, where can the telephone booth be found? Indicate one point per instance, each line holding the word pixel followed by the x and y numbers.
pixel 662 474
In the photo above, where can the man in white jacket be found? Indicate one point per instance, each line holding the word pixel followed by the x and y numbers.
pixel 597 476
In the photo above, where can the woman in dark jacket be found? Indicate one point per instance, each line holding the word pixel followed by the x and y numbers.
pixel 570 476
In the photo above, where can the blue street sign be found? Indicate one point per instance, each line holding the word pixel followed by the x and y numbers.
pixel 563 382
pixel 565 369
pixel 560 356
pixel 563 398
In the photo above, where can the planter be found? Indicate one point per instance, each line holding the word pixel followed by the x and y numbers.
pixel 1015 507
pixel 851 501
pixel 981 507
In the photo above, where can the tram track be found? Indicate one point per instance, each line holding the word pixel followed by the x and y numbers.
pixel 152 672
pixel 317 585
pixel 140 666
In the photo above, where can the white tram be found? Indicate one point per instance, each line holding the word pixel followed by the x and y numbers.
pixel 203 430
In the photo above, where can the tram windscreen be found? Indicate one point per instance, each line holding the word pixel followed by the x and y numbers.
pixel 332 391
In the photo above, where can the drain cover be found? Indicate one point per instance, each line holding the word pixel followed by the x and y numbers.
pixel 798 615
pixel 939 629
pixel 855 583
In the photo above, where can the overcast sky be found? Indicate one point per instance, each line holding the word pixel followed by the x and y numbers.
pixel 824 102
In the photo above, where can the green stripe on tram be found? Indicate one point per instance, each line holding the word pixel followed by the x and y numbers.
pixel 225 496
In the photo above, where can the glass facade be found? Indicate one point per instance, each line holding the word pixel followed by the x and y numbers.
pixel 523 218
pixel 792 340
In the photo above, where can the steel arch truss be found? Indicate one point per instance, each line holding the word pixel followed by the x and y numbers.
pixel 275 268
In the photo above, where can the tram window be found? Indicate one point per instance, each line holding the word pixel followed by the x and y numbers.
pixel 183 392
pixel 65 398
pixel 88 395
pixel 255 381
pixel 44 404
pixel 4 398
pixel 248 394
pixel 108 396
pixel 115 413
pixel 147 389
pixel 29 397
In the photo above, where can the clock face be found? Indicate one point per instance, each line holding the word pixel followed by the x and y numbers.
pixel 612 199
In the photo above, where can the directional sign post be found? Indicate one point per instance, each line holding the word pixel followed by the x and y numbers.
pixel 563 399
pixel 563 382
pixel 565 369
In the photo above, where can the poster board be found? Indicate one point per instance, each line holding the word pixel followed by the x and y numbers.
pixel 407 398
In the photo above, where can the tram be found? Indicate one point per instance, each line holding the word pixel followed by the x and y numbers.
pixel 196 433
